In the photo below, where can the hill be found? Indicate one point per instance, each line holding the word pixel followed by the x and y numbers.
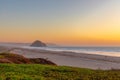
pixel 19 59
pixel 38 43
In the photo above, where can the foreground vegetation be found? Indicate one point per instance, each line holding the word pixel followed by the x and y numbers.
pixel 17 67
pixel 49 72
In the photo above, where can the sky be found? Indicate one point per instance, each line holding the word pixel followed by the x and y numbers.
pixel 64 22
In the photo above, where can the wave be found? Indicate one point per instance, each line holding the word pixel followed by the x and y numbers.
pixel 106 51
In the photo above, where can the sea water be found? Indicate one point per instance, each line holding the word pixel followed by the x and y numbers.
pixel 107 51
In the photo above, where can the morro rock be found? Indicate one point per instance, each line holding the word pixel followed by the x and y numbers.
pixel 38 43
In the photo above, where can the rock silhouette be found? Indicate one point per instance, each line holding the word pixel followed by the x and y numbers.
pixel 38 43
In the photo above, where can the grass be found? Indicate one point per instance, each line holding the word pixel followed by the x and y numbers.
pixel 48 72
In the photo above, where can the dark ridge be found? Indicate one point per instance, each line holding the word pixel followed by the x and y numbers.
pixel 19 59
pixel 41 61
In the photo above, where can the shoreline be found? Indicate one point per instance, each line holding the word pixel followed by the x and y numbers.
pixel 64 58
pixel 72 59
pixel 74 54
pixel 103 53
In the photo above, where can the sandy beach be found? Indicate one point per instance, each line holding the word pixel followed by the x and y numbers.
pixel 82 60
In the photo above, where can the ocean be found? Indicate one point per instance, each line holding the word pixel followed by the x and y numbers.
pixel 107 51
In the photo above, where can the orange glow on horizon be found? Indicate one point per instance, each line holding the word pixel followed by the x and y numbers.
pixel 78 24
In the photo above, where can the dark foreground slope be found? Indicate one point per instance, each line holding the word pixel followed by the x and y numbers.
pixel 47 72
pixel 19 59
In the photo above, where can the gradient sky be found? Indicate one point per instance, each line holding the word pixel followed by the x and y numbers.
pixel 68 22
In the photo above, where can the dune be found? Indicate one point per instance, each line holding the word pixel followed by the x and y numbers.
pixel 19 59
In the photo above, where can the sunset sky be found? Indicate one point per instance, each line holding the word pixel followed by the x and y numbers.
pixel 65 22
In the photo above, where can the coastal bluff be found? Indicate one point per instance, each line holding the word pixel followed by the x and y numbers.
pixel 38 43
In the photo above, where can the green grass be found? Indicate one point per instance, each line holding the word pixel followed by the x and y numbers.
pixel 47 72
